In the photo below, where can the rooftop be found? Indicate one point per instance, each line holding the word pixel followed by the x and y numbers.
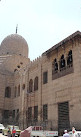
pixel 77 33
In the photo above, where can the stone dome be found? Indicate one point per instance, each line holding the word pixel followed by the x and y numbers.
pixel 14 44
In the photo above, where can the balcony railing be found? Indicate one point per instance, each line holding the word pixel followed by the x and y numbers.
pixel 62 71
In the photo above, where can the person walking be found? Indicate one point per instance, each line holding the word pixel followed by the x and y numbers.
pixel 65 134
pixel 13 132
pixel 9 132
pixel 74 132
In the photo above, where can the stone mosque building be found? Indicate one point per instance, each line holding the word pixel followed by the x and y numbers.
pixel 46 91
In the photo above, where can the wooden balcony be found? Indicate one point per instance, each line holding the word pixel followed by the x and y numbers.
pixel 62 72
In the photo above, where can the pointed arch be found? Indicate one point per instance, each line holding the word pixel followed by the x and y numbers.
pixel 19 90
pixel 62 62
pixel 55 65
pixel 36 83
pixel 8 92
pixel 15 92
pixel 31 85
pixel 69 58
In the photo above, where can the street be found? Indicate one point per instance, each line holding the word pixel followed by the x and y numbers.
pixel 2 135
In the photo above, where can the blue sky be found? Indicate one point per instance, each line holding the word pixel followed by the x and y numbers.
pixel 43 23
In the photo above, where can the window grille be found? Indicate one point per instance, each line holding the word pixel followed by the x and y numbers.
pixel 63 116
pixel 6 114
pixel 45 77
pixel 31 85
pixel 8 92
pixel 19 90
pixel 29 113
pixel 15 93
pixel 23 86
pixel 17 115
pixel 36 84
pixel 45 112
pixel 35 113
pixel 13 114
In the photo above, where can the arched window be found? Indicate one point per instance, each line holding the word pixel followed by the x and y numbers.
pixel 30 85
pixel 8 92
pixel 62 62
pixel 15 93
pixel 19 90
pixel 55 65
pixel 69 58
pixel 36 83
pixel 23 86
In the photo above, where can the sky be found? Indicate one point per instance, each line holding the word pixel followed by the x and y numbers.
pixel 43 23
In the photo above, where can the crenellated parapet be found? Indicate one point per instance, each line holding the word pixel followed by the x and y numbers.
pixel 38 61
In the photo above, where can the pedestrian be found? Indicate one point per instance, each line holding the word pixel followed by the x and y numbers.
pixel 13 132
pixel 74 132
pixel 65 134
pixel 9 132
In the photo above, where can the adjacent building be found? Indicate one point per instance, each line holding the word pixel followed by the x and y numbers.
pixel 46 91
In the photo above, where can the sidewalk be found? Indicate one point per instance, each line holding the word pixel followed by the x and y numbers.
pixel 2 135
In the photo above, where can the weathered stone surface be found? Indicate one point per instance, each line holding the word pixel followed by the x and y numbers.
pixel 64 86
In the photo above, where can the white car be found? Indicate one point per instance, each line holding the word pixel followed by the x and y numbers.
pixel 1 127
pixel 76 134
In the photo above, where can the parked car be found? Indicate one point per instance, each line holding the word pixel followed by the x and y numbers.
pixel 1 127
pixel 76 134
pixel 5 130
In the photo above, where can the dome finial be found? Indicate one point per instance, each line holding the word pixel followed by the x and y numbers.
pixel 16 28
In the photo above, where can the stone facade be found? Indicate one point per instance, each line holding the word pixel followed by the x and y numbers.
pixel 46 91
